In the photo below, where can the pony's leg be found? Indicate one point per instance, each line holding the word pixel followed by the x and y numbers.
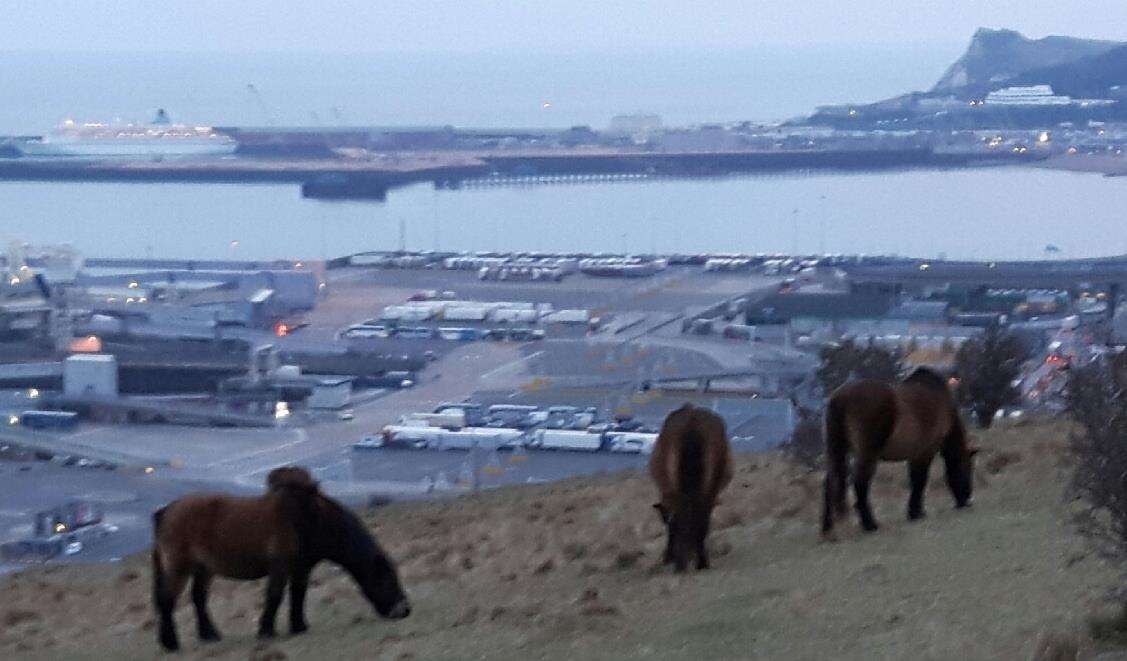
pixel 667 557
pixel 201 580
pixel 834 507
pixel 166 589
pixel 917 474
pixel 275 590
pixel 828 504
pixel 840 487
pixel 299 581
pixel 863 470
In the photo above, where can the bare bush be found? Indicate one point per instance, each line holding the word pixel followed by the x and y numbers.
pixel 806 446
pixel 1099 407
pixel 849 360
pixel 987 367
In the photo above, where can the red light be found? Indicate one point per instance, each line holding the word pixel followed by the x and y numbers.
pixel 281 329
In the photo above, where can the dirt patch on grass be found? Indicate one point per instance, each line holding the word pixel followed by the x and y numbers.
pixel 572 570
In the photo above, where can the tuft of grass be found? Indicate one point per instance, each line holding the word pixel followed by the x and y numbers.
pixel 1057 646
pixel 16 617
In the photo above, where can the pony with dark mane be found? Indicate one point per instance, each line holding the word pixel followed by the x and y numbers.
pixel 691 464
pixel 280 535
pixel 910 421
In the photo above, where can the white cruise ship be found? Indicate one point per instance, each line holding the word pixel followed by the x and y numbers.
pixel 159 139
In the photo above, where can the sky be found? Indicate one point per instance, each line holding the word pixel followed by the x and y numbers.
pixel 405 26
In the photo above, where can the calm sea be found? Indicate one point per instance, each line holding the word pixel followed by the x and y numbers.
pixel 986 213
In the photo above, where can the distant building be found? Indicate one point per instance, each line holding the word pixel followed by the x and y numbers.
pixel 638 127
pixel 1033 95
pixel 1037 96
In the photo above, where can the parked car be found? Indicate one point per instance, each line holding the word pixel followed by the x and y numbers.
pixel 369 443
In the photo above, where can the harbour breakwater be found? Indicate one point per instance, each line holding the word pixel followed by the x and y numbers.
pixel 340 178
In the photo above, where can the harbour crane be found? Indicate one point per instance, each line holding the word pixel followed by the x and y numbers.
pixel 256 96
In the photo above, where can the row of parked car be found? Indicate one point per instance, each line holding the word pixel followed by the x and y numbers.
pixel 369 330
pixel 509 426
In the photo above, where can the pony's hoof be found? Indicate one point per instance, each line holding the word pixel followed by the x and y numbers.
pixel 210 637
pixel 169 641
pixel 829 536
pixel 265 635
pixel 299 629
pixel 916 516
pixel 870 527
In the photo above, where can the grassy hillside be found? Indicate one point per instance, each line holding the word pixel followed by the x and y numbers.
pixel 568 571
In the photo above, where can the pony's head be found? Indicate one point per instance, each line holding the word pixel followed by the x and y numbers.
pixel 960 473
pixel 289 476
pixel 381 587
pixel 927 377
pixel 347 542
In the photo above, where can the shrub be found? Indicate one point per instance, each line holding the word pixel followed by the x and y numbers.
pixel 806 446
pixel 1099 406
pixel 987 367
pixel 848 360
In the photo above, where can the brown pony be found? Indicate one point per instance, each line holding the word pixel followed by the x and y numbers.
pixel 691 464
pixel 910 421
pixel 281 535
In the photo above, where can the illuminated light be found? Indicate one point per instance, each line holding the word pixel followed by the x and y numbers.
pixel 924 267
pixel 134 284
pixel 32 393
pixel 235 243
pixel 281 329
pixel 281 410
pixel 852 112
pixel 149 470
pixel 1044 137
pixel 89 344
pixel 546 105
pixel 59 527
pixel 13 420
pixel 14 281
pixel 298 265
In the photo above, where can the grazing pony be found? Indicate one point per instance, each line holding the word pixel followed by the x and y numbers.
pixel 691 464
pixel 280 535
pixel 909 421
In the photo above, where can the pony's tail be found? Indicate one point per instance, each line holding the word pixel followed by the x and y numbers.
pixel 837 459
pixel 690 466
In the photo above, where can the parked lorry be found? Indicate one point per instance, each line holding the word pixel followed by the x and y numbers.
pixel 447 419
pixel 483 437
pixel 566 439
pixel 62 420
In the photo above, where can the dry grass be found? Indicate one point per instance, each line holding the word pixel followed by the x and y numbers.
pixel 568 570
